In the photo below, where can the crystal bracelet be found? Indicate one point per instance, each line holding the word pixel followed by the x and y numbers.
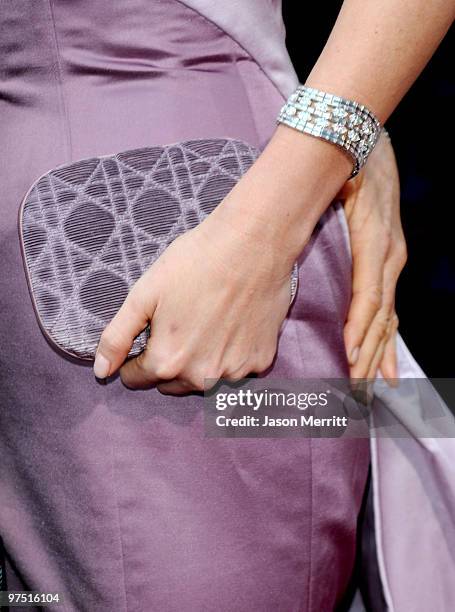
pixel 345 123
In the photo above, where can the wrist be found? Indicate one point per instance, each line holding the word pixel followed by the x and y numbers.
pixel 283 195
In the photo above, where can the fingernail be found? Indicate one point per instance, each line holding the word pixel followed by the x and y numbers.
pixel 354 355
pixel 101 367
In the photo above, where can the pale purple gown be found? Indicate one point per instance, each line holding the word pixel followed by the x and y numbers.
pixel 115 498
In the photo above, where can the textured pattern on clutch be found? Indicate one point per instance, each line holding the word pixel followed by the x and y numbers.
pixel 91 228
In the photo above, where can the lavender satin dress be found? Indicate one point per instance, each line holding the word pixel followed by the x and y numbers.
pixel 111 497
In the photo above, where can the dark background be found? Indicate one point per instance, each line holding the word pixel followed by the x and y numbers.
pixel 423 137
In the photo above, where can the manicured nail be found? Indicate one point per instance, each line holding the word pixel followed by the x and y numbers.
pixel 101 367
pixel 354 355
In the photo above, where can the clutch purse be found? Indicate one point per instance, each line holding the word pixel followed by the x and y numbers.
pixel 91 228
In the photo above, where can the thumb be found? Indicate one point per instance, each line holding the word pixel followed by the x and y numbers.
pixel 118 337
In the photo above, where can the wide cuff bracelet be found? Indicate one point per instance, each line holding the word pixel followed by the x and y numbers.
pixel 345 123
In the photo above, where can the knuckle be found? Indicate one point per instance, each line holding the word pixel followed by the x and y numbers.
pixel 166 370
pixel 167 364
pixel 196 383
pixel 374 296
pixel 199 376
pixel 235 375
pixel 263 361
pixel 382 324
pixel 237 369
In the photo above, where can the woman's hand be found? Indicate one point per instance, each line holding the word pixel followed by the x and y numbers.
pixel 372 206
pixel 216 298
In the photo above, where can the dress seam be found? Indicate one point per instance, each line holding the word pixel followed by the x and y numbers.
pixel 239 44
pixel 59 75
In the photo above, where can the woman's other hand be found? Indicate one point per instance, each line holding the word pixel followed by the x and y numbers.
pixel 372 207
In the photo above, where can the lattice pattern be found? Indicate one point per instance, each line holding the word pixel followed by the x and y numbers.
pixel 91 228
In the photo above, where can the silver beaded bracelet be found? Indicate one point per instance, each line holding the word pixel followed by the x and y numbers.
pixel 345 123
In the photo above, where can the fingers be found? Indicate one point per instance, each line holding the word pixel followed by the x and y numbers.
pixel 372 347
pixel 367 289
pixel 377 358
pixel 180 386
pixel 118 337
pixel 153 365
pixel 388 363
pixel 383 324
pixel 170 371
pixel 180 372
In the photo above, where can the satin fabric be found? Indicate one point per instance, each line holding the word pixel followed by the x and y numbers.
pixel 115 498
